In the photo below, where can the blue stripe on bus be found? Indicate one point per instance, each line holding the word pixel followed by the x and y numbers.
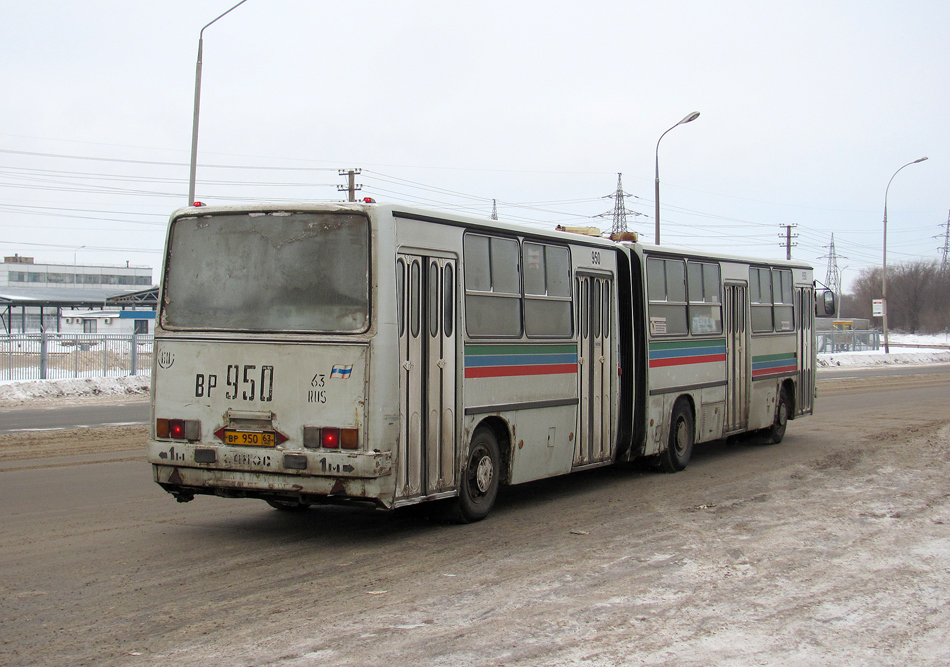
pixel 475 361
pixel 687 352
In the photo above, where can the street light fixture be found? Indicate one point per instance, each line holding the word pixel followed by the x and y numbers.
pixel 887 348
pixel 194 127
pixel 689 119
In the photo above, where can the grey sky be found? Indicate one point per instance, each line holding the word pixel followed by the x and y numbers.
pixel 807 108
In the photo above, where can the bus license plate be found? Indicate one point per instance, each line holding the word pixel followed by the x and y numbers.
pixel 250 438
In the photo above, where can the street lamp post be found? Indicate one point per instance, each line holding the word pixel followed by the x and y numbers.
pixel 689 119
pixel 194 126
pixel 887 348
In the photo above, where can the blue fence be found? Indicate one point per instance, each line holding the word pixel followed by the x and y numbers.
pixel 848 341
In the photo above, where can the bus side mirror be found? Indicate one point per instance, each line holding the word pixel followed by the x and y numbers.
pixel 826 306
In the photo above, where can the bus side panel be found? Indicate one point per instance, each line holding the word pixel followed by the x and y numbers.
pixel 774 358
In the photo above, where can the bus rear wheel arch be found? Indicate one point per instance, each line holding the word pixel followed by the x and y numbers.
pixel 679 447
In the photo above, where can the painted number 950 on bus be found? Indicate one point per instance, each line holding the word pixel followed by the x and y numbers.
pixel 248 383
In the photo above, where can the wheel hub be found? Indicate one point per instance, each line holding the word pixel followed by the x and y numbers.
pixel 484 473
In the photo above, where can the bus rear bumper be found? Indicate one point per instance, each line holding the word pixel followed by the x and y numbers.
pixel 186 470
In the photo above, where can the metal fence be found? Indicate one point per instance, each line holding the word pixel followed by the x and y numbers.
pixel 848 341
pixel 53 356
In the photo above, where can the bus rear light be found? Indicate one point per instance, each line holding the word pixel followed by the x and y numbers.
pixel 330 437
pixel 349 438
pixel 178 429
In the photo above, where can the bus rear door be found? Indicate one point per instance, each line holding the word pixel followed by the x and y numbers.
pixel 426 288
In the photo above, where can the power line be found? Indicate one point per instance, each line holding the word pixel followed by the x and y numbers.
pixel 161 164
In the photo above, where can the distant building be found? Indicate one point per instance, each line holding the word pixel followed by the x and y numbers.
pixel 67 297
pixel 22 272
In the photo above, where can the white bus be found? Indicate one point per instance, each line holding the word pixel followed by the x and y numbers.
pixel 385 354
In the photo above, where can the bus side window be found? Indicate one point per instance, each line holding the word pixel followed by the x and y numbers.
pixel 547 291
pixel 666 289
pixel 760 293
pixel 784 308
pixel 705 307
pixel 492 286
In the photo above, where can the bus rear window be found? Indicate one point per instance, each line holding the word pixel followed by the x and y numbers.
pixel 277 271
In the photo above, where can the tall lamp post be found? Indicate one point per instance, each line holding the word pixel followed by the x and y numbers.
pixel 887 348
pixel 194 126
pixel 689 119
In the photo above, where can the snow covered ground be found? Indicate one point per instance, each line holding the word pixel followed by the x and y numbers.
pixel 21 393
pixel 913 353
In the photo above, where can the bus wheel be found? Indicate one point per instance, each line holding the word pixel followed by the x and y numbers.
pixel 479 484
pixel 680 445
pixel 776 432
pixel 288 505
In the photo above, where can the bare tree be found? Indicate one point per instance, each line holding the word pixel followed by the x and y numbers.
pixel 918 296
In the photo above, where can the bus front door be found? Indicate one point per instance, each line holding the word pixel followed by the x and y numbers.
pixel 594 364
pixel 737 370
pixel 427 356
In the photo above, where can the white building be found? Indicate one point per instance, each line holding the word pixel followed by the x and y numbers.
pixel 23 272
pixel 36 297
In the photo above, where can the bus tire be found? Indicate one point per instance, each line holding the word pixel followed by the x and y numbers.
pixel 680 445
pixel 480 477
pixel 776 432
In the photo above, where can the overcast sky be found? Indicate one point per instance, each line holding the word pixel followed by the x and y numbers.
pixel 807 110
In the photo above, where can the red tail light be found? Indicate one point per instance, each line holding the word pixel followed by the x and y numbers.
pixel 178 429
pixel 330 438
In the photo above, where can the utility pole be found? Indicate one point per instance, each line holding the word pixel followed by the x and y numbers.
pixel 494 209
pixel 351 186
pixel 788 239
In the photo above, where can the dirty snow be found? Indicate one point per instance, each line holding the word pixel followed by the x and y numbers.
pixel 24 392
pixel 905 349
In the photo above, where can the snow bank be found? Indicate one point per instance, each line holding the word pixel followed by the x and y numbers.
pixel 17 393
pixel 898 356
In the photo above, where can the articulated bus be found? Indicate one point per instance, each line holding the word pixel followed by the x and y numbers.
pixel 385 354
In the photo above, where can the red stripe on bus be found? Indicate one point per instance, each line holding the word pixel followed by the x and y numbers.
pixel 678 361
pixel 504 371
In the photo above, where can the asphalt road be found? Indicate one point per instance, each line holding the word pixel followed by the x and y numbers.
pixel 831 548
pixel 73 416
